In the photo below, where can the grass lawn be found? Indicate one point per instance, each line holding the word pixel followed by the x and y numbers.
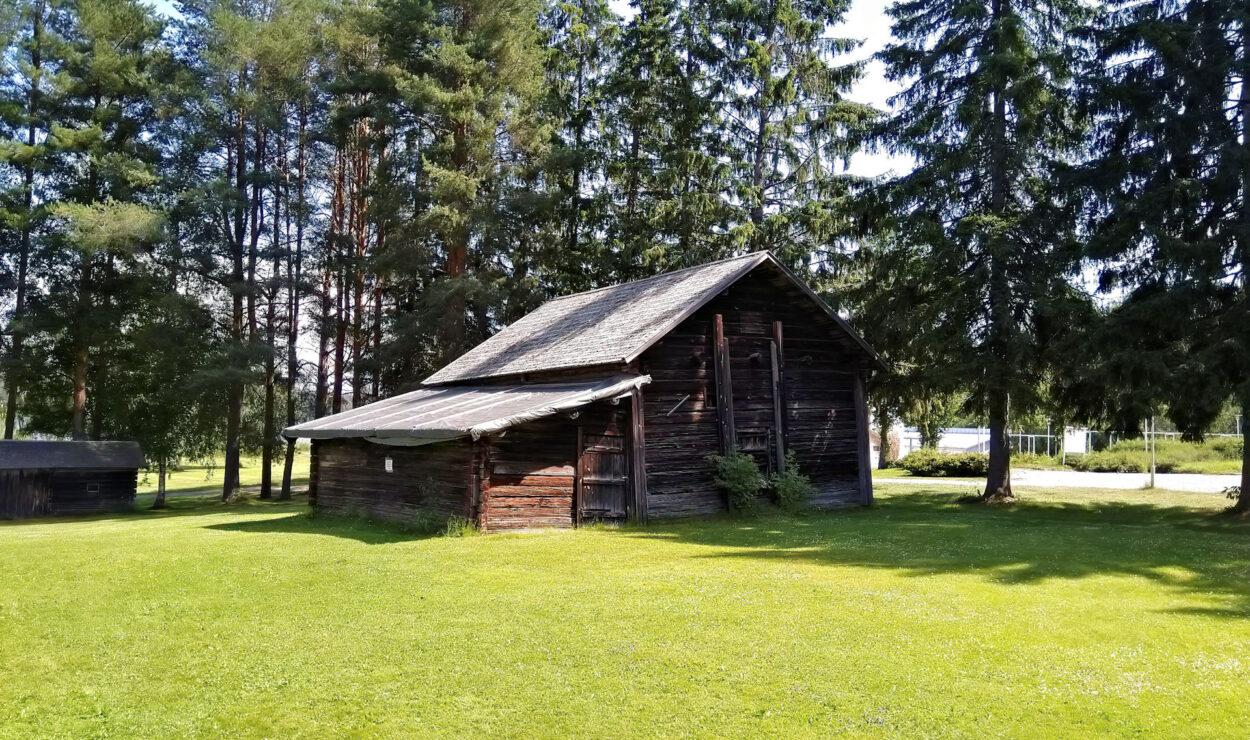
pixel 1072 614
pixel 197 476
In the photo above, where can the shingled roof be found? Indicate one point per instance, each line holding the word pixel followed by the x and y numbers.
pixel 611 325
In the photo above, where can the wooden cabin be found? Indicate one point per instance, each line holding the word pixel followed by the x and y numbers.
pixel 605 405
pixel 40 478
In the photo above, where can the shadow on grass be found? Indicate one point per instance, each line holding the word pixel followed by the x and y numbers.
pixel 176 506
pixel 927 533
pixel 368 531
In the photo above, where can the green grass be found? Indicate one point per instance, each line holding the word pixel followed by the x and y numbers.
pixel 200 476
pixel 890 473
pixel 1072 614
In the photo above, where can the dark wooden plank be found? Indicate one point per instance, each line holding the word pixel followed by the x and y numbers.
pixel 724 387
pixel 779 444
pixel 861 423
pixel 638 458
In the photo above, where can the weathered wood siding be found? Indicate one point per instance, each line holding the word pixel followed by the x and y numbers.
pixel 530 472
pixel 817 385
pixel 36 492
pixel 23 493
pixel 427 484
pixel 90 491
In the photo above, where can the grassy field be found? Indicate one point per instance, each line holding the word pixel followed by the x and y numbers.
pixel 197 476
pixel 1072 614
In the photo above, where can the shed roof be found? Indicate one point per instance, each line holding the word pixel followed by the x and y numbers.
pixel 429 415
pixel 16 454
pixel 613 325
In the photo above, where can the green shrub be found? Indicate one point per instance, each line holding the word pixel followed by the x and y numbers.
pixel 931 463
pixel 791 489
pixel 1030 460
pixel 1229 448
pixel 924 462
pixel 1171 456
pixel 1113 460
pixel 739 476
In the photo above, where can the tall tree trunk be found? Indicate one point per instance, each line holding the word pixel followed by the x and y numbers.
pixel 885 421
pixel 256 207
pixel 78 413
pixel 1243 498
pixel 341 314
pixel 271 332
pixel 321 397
pixel 998 478
pixel 456 266
pixel 238 286
pixel 28 195
pixel 159 503
pixel 294 289
pixel 360 239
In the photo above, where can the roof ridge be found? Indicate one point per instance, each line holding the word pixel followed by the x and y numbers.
pixel 756 253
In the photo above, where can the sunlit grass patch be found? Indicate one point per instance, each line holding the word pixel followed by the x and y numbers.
pixel 1070 613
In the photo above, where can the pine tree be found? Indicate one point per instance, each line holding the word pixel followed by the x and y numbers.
pixel 986 114
pixel 32 46
pixel 469 75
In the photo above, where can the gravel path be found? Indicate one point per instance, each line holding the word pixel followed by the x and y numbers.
pixel 1077 479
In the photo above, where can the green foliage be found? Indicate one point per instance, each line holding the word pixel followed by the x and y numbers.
pixel 931 411
pixel 1171 456
pixel 931 463
pixel 791 489
pixel 738 475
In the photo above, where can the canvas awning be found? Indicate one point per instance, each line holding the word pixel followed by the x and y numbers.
pixel 429 415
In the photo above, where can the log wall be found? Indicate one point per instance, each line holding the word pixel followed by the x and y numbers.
pixel 38 492
pixel 819 417
pixel 530 471
pixel 430 483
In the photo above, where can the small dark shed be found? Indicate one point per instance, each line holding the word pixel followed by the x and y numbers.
pixel 604 405
pixel 39 478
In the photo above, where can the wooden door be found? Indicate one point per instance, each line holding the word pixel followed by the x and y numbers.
pixel 602 476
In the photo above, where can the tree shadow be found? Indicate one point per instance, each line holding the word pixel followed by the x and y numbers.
pixel 1188 550
pixel 367 531
pixel 177 506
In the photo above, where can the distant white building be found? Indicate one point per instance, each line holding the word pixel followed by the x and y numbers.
pixel 1076 441
pixel 972 439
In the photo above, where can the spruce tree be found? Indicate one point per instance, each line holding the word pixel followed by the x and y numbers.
pixel 986 114
pixel 1169 186
pixel 788 122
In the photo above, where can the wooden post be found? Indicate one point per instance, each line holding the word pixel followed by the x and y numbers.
pixel 861 435
pixel 477 481
pixel 638 459
pixel 779 399
pixel 724 387
pixel 314 452
pixel 577 479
